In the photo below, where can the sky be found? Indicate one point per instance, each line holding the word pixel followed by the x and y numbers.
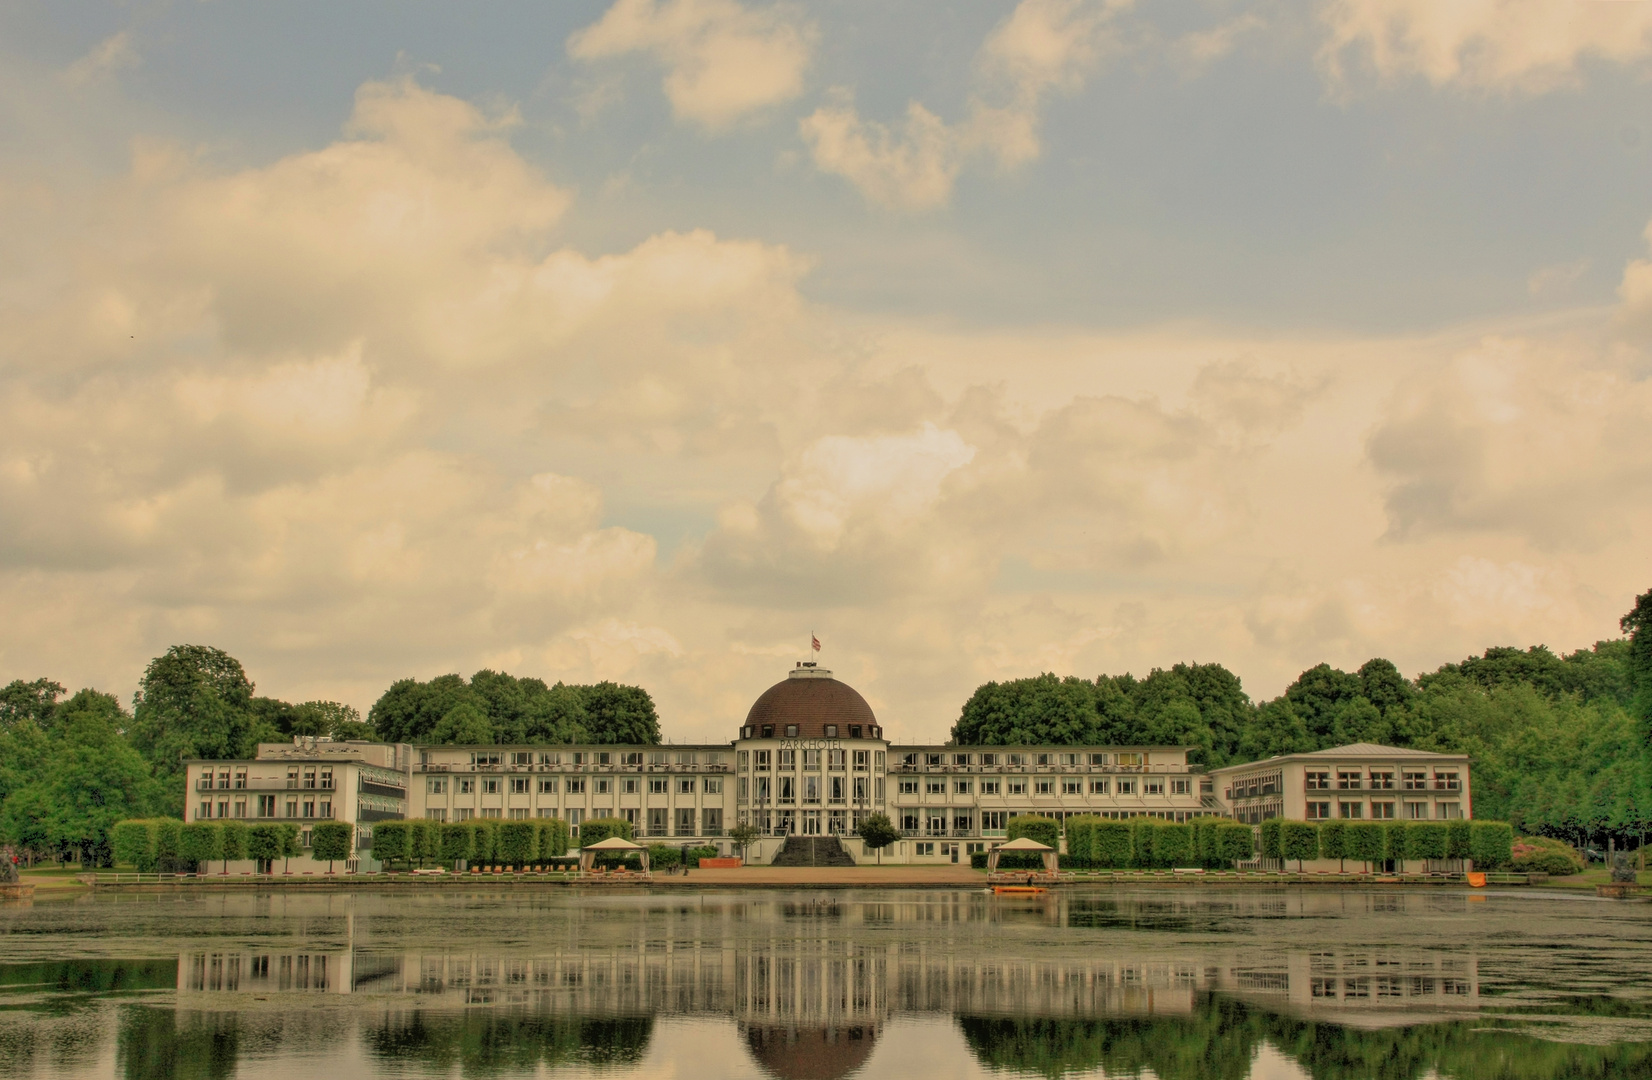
pixel 640 340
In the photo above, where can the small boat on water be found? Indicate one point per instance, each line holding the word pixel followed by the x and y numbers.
pixel 1018 890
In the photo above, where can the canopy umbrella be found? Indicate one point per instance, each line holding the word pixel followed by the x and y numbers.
pixel 588 855
pixel 1024 843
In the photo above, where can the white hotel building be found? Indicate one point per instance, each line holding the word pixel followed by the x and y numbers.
pixel 810 759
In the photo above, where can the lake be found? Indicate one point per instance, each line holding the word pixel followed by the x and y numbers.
pixel 812 984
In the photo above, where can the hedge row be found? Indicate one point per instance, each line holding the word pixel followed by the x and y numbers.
pixel 1488 843
pixel 1095 843
pixel 485 841
pixel 172 846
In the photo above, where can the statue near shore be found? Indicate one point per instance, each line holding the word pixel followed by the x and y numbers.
pixel 8 867
pixel 1623 871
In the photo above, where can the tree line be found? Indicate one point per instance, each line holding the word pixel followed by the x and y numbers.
pixel 1558 742
pixel 73 766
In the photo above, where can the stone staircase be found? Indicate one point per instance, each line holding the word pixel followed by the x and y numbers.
pixel 812 851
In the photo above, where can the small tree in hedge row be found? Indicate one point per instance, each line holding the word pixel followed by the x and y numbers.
pixel 1396 842
pixel 599 829
pixel 290 849
pixel 1333 841
pixel 1428 840
pixel 1364 842
pixel 133 842
pixel 746 834
pixel 1272 830
pixel 1034 827
pixel 389 842
pixel 169 834
pixel 1299 840
pixel 1110 845
pixel 1459 839
pixel 1491 844
pixel 876 832
pixel 1235 842
pixel 553 837
pixel 458 840
pixel 330 840
pixel 487 840
pixel 235 842
pixel 518 842
pixel 1173 844
pixel 199 842
pixel 1142 835
pixel 264 842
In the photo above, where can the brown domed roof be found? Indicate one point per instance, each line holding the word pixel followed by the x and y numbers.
pixel 811 699
pixel 811 1054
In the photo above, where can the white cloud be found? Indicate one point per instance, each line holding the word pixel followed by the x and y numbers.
pixel 1524 46
pixel 723 60
pixel 114 53
pixel 1042 47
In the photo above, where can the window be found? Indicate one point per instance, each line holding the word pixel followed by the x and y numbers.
pixel 713 823
pixel 860 761
pixel 1348 781
pixel 924 848
pixel 1152 787
pixel 547 787
pixel 1319 781
pixel 854 731
pixel 960 759
pixel 909 822
pixel 1018 760
pixel 629 785
pixel 686 758
pixel 1319 811
pixel 741 758
pixel 1046 759
pixel 467 786
pixel 788 789
pixel 240 778
pixel 240 808
pixel 631 758
pixel 436 815
pixel 811 759
pixel 1351 810
pixel 1044 787
pixel 577 757
pixel 909 787
pixel 605 758
pixel 1098 787
pixel 576 787
pixel 309 808
pixel 831 731
pixel 437 787
pixel 811 789
pixel 1127 787
pixel 791 731
pixel 292 807
pixel 1382 781
pixel 712 785
pixel 933 760
pixel 1445 781
pixel 1181 787
pixel 604 785
pixel 685 821
pixel 1415 781
pixel 1069 759
pixel 519 785
pixel 1450 811
pixel 1131 759
pixel 1072 787
pixel 486 757
pixel 490 786
pixel 993 820
pixel 989 760
pixel 837 759
pixel 935 787
pixel 762 759
pixel 550 759
pixel 768 731
pixel 745 788
pixel 1018 787
pixel 991 787
pixel 961 787
pixel 685 786
pixel 519 813
pixel 763 789
pixel 836 789
pixel 788 759
pixel 860 788
pixel 1382 811
pixel 492 812
pixel 463 813
pixel 203 811
pixel 521 758
pixel 1416 811
pixel 1098 759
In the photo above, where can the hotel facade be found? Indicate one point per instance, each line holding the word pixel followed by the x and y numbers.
pixel 810 759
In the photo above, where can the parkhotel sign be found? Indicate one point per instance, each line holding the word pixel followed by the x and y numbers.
pixel 811 744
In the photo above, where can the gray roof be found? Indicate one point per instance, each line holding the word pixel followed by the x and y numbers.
pixel 1343 753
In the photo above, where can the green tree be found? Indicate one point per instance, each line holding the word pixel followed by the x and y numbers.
pixel 1173 846
pixel 1037 827
pixel 1365 841
pixel 621 715
pixel 287 833
pixel 235 842
pixel 1272 835
pixel 596 830
pixel 331 840
pixel 1428 840
pixel 1110 845
pixel 1637 623
pixel 458 842
pixel 1044 710
pixel 518 843
pixel 194 702
pixel 1397 842
pixel 1235 843
pixel 329 718
pixel 133 844
pixel 1333 842
pixel 264 843
pixel 29 702
pixel 464 725
pixel 201 842
pixel 1299 840
pixel 1491 844
pixel 877 832
pixel 745 835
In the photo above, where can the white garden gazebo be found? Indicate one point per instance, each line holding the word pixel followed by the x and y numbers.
pixel 1024 843
pixel 588 855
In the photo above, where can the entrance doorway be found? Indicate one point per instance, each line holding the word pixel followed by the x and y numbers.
pixel 811 823
pixel 950 851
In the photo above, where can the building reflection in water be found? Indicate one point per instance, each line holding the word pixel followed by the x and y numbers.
pixel 811 986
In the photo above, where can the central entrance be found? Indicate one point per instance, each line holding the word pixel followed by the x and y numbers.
pixel 811 823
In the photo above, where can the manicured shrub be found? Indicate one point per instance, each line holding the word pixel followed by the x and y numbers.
pixel 485 852
pixel 264 842
pixel 1110 845
pixel 553 837
pixel 330 840
pixel 169 838
pixel 1080 841
pixel 664 856
pixel 1204 842
pixel 597 830
pixel 1173 846
pixel 1542 854
pixel 1299 840
pixel 1459 839
pixel 235 842
pixel 458 840
pixel 518 842
pixel 1045 830
pixel 1234 842
pixel 1491 844
pixel 199 842
pixel 287 837
pixel 1142 835
pixel 389 842
pixel 1019 860
pixel 709 851
pixel 1396 837
pixel 133 843
pixel 1333 841
pixel 1365 842
pixel 1272 838
pixel 1428 840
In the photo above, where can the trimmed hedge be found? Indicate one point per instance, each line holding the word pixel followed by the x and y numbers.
pixel 1235 842
pixel 331 840
pixel 1299 840
pixel 1273 831
pixel 599 829
pixel 1034 827
pixel 1491 844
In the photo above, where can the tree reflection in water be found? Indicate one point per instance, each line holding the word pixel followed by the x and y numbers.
pixel 488 1042
pixel 1219 1040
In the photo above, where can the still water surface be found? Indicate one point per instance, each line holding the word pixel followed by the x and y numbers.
pixel 1240 985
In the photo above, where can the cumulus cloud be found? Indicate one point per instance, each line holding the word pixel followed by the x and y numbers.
pixel 723 60
pixel 1042 47
pixel 1520 46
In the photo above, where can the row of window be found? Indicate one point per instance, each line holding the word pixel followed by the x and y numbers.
pixel 655 821
pixel 1383 780
pixel 1384 811
pixel 1129 759
pixel 1097 786
pixel 316 777
pixel 623 758
pixel 269 806
pixel 789 731
pixel 835 789
pixel 786 759
pixel 579 785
